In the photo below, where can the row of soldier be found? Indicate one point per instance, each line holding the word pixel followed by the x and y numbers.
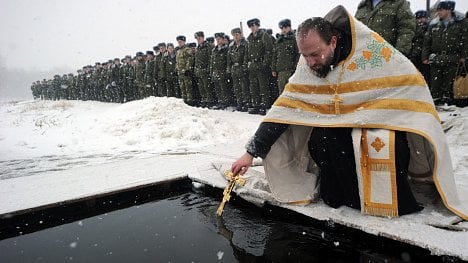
pixel 245 73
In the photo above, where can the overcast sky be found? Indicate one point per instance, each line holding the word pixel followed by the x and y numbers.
pixel 48 34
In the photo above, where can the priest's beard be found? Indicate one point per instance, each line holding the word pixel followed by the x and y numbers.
pixel 322 71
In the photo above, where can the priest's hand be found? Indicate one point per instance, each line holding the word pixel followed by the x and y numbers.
pixel 242 164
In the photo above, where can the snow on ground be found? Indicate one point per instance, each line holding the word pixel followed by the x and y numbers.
pixel 37 136
pixel 64 150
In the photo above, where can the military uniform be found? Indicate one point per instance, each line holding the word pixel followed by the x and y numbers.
pixel 160 84
pixel 202 71
pixel 444 46
pixel 285 56
pixel 127 79
pixel 184 65
pixel 417 45
pixel 140 67
pixel 259 52
pixel 218 65
pixel 237 67
pixel 391 19
pixel 115 79
pixel 169 72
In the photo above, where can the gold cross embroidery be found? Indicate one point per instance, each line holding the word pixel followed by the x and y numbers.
pixel 378 144
pixel 337 100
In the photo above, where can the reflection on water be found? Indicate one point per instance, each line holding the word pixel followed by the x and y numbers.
pixel 185 228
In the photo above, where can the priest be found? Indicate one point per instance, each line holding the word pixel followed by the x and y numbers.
pixel 343 128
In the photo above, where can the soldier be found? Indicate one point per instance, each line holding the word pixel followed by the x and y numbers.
pixel 140 67
pixel 34 89
pixel 445 45
pixel 79 84
pixel 392 19
pixel 116 93
pixel 73 87
pixel 64 87
pixel 127 79
pixel 237 68
pixel 160 84
pixel 259 51
pixel 149 73
pixel 218 66
pixel 418 40
pixel 105 81
pixel 184 64
pixel 55 88
pixel 97 89
pixel 202 70
pixel 285 55
pixel 210 41
pixel 170 72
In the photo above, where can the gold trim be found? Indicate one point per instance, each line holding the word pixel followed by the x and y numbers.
pixel 414 80
pixel 300 202
pixel 366 169
pixel 387 104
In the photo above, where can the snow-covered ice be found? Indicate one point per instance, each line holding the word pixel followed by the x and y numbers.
pixel 52 151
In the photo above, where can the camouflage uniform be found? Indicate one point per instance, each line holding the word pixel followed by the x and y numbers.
pixel 97 88
pixel 116 94
pixel 169 72
pixel 149 74
pixel 105 83
pixel 392 19
pixel 237 67
pixel 259 51
pixel 140 67
pixel 285 58
pixel 444 46
pixel 127 79
pixel 160 85
pixel 417 45
pixel 218 66
pixel 55 88
pixel 184 64
pixel 202 72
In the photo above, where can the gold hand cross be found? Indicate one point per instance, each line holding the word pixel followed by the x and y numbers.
pixel 233 180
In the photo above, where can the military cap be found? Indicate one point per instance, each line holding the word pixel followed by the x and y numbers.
pixel 216 35
pixel 192 45
pixel 180 38
pixel 199 34
pixel 253 21
pixel 139 54
pixel 128 57
pixel 284 23
pixel 97 63
pixel 116 59
pixel 421 13
pixel 149 52
pixel 210 40
pixel 236 31
pixel 155 48
pixel 162 44
pixel 170 45
pixel 447 5
pixel 269 31
pixel 227 37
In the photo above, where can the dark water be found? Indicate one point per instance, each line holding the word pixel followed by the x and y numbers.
pixel 185 228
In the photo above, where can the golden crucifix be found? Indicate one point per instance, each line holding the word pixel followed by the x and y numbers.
pixel 337 100
pixel 233 180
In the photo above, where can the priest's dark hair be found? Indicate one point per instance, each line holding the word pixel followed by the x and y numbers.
pixel 323 27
